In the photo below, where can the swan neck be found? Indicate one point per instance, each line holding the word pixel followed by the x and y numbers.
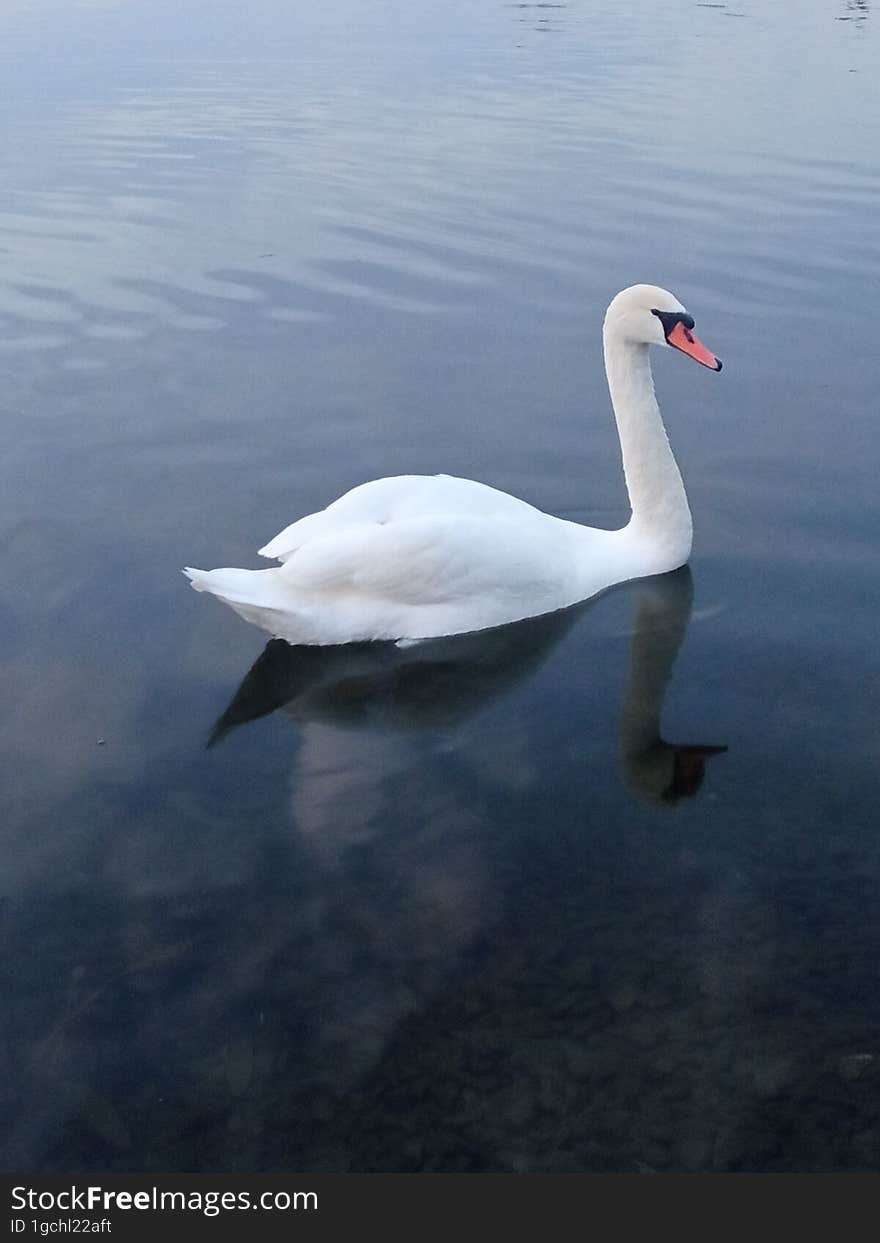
pixel 656 492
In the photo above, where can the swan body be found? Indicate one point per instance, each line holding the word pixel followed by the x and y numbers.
pixel 422 556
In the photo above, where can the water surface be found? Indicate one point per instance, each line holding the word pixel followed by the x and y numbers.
pixel 501 903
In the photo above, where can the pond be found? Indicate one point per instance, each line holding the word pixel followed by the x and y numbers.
pixel 596 892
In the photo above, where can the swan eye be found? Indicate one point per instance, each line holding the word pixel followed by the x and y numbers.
pixel 670 318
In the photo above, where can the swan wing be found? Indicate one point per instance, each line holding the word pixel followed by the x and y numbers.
pixel 430 560
pixel 385 501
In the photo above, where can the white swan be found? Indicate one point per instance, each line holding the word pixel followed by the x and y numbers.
pixel 420 556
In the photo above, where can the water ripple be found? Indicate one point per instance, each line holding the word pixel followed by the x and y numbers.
pixel 410 202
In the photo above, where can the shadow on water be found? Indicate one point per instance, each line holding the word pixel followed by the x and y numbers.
pixel 439 683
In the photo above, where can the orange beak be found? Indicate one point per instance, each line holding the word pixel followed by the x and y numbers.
pixel 683 339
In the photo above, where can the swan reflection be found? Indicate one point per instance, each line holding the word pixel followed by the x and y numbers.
pixel 437 684
pixel 430 685
pixel 653 769
pixel 397 876
pixel 407 807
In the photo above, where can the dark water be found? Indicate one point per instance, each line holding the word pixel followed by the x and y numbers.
pixel 469 906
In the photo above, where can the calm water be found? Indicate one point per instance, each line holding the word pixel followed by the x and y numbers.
pixel 474 905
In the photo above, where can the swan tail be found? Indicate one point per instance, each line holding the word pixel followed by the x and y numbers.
pixel 256 595
pixel 252 588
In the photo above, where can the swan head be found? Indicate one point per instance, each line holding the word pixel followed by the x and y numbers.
pixel 649 315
